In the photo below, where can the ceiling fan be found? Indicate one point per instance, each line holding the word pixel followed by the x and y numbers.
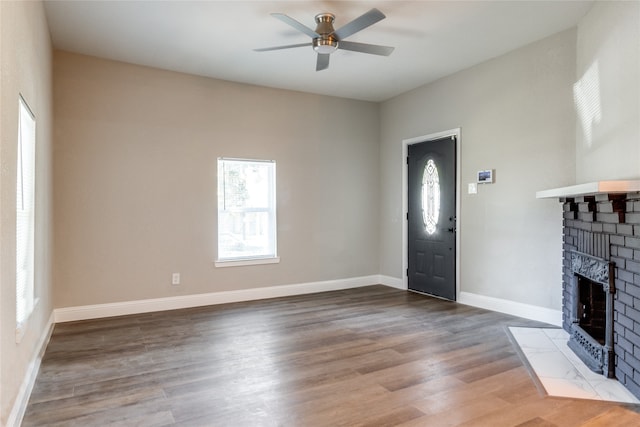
pixel 326 40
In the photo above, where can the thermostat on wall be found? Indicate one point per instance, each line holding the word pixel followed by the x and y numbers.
pixel 485 177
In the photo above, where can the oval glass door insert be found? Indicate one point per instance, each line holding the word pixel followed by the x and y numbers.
pixel 430 196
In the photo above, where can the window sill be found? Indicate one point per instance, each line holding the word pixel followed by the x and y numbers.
pixel 243 262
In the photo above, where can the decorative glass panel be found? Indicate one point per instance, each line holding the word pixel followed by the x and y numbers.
pixel 430 196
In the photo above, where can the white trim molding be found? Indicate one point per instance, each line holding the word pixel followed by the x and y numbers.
pixel 24 393
pixel 96 311
pixel 392 282
pixel 247 261
pixel 590 188
pixel 532 312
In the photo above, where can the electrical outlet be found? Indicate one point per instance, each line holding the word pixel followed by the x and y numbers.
pixel 175 279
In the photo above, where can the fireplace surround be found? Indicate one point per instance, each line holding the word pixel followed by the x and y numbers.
pixel 601 229
pixel 591 312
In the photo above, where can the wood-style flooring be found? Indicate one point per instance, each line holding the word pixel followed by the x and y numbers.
pixel 372 356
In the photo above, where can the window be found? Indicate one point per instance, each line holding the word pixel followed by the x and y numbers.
pixel 25 218
pixel 430 197
pixel 246 212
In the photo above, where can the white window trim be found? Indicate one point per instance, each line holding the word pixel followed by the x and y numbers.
pixel 246 261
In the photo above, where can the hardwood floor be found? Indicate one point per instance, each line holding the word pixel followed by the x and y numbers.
pixel 372 356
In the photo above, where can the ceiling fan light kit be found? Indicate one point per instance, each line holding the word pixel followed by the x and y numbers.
pixel 325 45
pixel 325 39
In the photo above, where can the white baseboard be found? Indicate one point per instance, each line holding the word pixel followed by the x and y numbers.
pixel 392 282
pixel 532 312
pixel 97 311
pixel 527 311
pixel 69 314
pixel 22 399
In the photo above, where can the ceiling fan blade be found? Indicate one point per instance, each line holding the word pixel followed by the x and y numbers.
pixel 360 23
pixel 323 61
pixel 289 46
pixel 295 24
pixel 366 48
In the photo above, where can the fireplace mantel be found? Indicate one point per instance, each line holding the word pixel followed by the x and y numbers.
pixel 591 188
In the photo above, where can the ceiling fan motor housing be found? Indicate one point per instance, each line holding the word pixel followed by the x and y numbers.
pixel 326 43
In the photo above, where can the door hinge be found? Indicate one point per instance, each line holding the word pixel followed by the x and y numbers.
pixel 407 159
pixel 407 272
pixel 407 216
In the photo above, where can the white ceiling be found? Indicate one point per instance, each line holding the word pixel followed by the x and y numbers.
pixel 432 39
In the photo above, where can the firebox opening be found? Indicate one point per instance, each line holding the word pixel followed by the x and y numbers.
pixel 592 308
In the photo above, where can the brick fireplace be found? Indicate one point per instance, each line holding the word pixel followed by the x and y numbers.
pixel 601 282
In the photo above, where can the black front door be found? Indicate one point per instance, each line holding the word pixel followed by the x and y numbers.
pixel 432 217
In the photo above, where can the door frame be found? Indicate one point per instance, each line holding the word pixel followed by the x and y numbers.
pixel 405 201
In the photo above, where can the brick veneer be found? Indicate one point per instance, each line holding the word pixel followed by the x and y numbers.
pixel 608 226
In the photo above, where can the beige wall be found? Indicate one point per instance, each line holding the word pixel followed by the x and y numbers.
pixel 608 66
pixel 135 172
pixel 516 116
pixel 26 69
